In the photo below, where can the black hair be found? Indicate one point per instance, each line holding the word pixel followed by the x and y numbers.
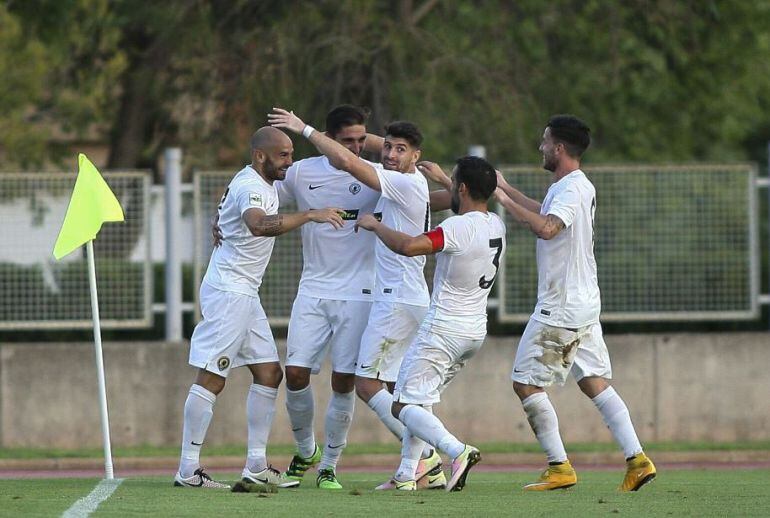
pixel 572 132
pixel 478 175
pixel 405 130
pixel 343 116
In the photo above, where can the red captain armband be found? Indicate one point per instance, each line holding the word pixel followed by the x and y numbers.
pixel 436 237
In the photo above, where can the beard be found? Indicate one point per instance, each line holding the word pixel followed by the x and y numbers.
pixel 549 163
pixel 454 204
pixel 272 172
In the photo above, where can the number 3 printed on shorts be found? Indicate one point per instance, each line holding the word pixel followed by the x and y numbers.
pixel 485 284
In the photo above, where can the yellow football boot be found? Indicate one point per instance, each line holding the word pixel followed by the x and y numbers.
pixel 639 471
pixel 560 476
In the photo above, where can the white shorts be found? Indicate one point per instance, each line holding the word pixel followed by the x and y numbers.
pixel 430 364
pixel 234 332
pixel 547 354
pixel 317 325
pixel 391 329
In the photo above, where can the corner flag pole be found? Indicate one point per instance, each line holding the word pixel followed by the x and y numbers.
pixel 99 363
pixel 92 204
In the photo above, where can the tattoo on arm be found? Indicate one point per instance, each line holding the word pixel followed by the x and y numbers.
pixel 552 226
pixel 270 225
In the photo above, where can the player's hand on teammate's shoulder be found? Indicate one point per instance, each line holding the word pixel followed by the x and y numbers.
pixel 331 215
pixel 433 171
pixel 367 222
pixel 280 118
pixel 216 231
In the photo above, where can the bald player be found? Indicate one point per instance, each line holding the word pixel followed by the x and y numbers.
pixel 234 330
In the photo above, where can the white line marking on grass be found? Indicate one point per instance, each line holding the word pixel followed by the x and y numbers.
pixel 88 504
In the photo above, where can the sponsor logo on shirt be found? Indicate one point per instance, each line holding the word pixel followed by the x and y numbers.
pixel 350 215
pixel 314 187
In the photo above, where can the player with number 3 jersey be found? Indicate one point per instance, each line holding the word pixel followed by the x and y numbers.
pixel 469 248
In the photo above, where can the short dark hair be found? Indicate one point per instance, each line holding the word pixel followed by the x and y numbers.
pixel 405 130
pixel 572 132
pixel 478 175
pixel 343 116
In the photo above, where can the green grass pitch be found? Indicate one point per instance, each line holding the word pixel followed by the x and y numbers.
pixel 703 492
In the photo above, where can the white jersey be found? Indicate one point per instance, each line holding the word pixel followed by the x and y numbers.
pixel 239 263
pixel 337 264
pixel 403 206
pixel 474 245
pixel 567 286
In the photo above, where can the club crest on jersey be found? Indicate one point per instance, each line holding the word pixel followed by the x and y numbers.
pixel 354 188
pixel 223 363
pixel 255 199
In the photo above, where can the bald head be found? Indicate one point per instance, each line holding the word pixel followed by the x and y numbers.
pixel 271 153
pixel 268 138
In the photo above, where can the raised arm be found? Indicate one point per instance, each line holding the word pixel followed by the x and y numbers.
pixel 373 143
pixel 516 195
pixel 260 224
pixel 544 227
pixel 339 156
pixel 402 244
pixel 442 199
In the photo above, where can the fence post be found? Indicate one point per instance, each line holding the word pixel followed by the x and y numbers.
pixel 477 150
pixel 173 181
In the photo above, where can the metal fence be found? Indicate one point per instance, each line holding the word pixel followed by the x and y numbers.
pixel 38 292
pixel 672 243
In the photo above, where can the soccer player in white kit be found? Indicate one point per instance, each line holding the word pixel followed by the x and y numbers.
pixel 401 293
pixel 469 247
pixel 234 330
pixel 334 296
pixel 564 335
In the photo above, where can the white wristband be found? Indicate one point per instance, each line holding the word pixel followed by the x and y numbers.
pixel 307 131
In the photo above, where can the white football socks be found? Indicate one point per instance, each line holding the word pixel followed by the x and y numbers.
pixel 198 410
pixel 300 406
pixel 260 408
pixel 339 416
pixel 544 422
pixel 430 429
pixel 411 449
pixel 381 403
pixel 618 420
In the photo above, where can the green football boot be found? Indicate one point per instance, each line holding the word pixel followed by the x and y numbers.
pixel 327 479
pixel 299 465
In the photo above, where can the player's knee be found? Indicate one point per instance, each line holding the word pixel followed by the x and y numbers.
pixel 592 386
pixel 297 378
pixel 396 408
pixel 365 389
pixel 524 391
pixel 272 377
pixel 210 381
pixel 343 382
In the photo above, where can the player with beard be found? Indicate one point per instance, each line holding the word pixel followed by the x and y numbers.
pixel 563 334
pixel 234 330
pixel 400 292
pixel 469 247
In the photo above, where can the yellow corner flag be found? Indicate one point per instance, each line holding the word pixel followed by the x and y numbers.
pixel 92 204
